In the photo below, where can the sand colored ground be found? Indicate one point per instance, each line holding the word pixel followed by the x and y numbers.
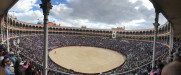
pixel 86 59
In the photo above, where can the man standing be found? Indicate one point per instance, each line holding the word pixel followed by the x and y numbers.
pixel 6 65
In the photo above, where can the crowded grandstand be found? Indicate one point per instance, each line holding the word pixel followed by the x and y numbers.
pixel 145 51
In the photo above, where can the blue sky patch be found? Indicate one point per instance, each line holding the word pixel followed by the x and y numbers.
pixel 57 2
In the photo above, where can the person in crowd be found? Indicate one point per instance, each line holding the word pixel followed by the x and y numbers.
pixel 29 70
pixel 2 71
pixel 18 69
pixel 154 71
pixel 169 59
pixel 6 62
pixel 13 58
pixel 160 67
pixel 173 68
pixel 25 65
pixel 176 57
pixel 145 73
pixel 1 55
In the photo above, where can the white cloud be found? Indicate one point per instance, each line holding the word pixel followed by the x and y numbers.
pixel 23 5
pixel 57 2
pixel 134 22
pixel 109 13
pixel 24 11
pixel 147 4
pixel 104 14
pixel 133 1
pixel 137 8
pixel 162 19
pixel 30 16
pixel 61 11
pixel 80 23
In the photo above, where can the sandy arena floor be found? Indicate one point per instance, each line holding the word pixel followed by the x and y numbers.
pixel 86 59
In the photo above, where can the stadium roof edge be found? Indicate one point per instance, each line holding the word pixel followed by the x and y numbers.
pixel 5 5
pixel 171 10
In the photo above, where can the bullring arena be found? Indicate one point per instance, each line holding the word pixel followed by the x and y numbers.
pixel 86 59
pixel 47 48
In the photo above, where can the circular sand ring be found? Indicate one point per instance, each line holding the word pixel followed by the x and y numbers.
pixel 85 59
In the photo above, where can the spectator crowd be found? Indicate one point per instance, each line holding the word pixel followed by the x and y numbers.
pixel 26 57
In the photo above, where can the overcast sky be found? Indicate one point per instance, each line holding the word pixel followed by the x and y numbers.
pixel 102 14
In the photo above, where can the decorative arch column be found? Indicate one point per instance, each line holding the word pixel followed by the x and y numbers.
pixel 156 24
pixel 170 38
pixel 46 6
pixel 2 36
pixel 7 32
